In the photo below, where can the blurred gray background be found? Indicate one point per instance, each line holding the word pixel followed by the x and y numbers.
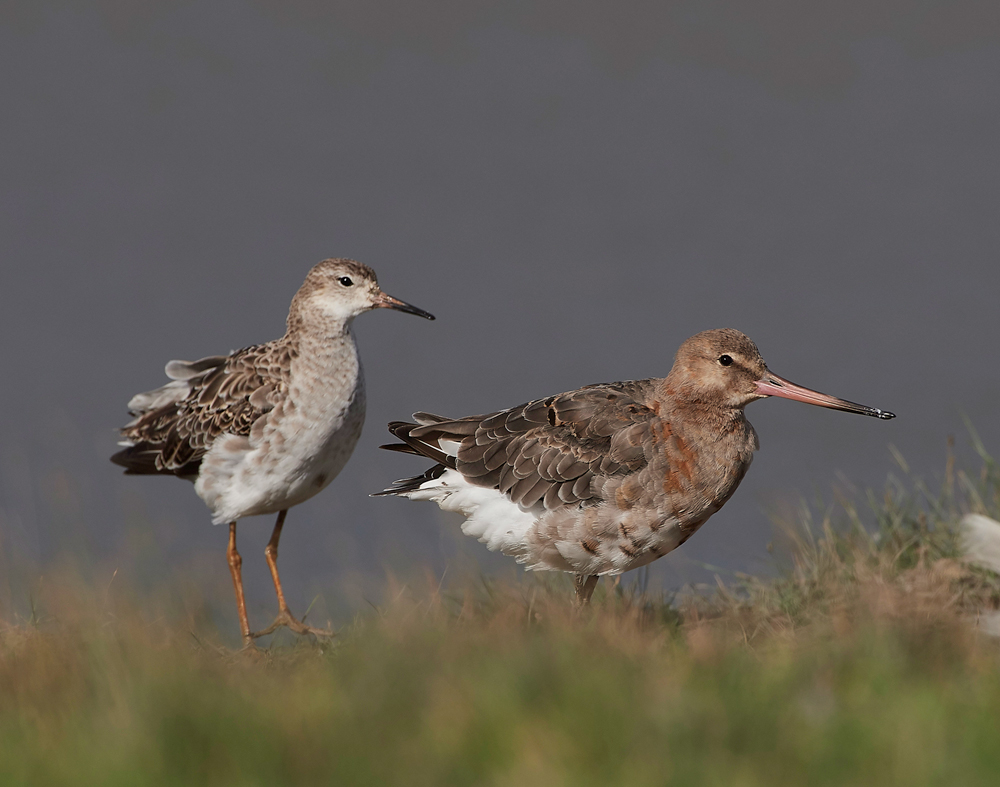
pixel 572 188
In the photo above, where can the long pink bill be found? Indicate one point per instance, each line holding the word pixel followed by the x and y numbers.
pixel 772 385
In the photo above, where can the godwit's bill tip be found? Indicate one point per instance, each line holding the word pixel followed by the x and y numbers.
pixel 385 301
pixel 772 385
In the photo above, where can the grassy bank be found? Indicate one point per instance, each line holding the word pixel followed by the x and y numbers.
pixel 861 664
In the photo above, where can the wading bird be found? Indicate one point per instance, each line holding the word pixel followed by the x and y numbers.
pixel 609 477
pixel 269 426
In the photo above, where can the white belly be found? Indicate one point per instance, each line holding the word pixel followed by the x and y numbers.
pixel 299 451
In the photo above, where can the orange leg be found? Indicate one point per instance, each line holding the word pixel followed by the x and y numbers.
pixel 235 566
pixel 271 555
pixel 285 616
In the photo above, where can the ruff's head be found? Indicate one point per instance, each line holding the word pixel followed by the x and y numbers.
pixel 338 290
pixel 723 368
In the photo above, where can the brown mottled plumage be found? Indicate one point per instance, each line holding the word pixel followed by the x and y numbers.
pixel 225 395
pixel 269 426
pixel 608 477
pixel 175 425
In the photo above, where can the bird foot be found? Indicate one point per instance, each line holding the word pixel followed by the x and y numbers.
pixel 250 649
pixel 287 619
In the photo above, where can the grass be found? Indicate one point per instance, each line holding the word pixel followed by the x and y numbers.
pixel 861 664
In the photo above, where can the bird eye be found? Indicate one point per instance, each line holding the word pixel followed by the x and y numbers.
pixel 346 281
pixel 725 360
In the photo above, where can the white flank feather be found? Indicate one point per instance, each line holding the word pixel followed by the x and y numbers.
pixel 490 516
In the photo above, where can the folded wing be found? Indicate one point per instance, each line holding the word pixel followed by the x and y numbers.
pixel 175 425
pixel 556 451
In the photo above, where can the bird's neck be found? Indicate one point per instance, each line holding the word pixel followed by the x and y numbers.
pixel 324 346
pixel 327 342
pixel 305 320
pixel 693 409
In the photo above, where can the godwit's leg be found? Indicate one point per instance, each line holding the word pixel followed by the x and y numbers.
pixel 235 566
pixel 285 616
pixel 584 585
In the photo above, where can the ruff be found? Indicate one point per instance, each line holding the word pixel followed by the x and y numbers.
pixel 269 426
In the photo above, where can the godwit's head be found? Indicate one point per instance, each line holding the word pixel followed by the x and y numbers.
pixel 338 290
pixel 724 368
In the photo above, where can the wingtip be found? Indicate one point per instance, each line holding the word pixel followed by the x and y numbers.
pixel 402 448
pixel 394 426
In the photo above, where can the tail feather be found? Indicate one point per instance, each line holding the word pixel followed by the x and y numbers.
pixel 141 459
pixel 418 446
pixel 402 430
pixel 404 485
pixel 403 448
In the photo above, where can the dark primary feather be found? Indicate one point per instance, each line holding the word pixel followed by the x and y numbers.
pixel 547 450
pixel 227 395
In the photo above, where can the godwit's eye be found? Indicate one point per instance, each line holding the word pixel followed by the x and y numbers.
pixel 725 360
pixel 346 281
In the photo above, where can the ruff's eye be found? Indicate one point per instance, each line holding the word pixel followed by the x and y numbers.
pixel 346 281
pixel 726 360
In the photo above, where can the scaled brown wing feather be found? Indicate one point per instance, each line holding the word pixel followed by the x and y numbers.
pixel 225 398
pixel 548 450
